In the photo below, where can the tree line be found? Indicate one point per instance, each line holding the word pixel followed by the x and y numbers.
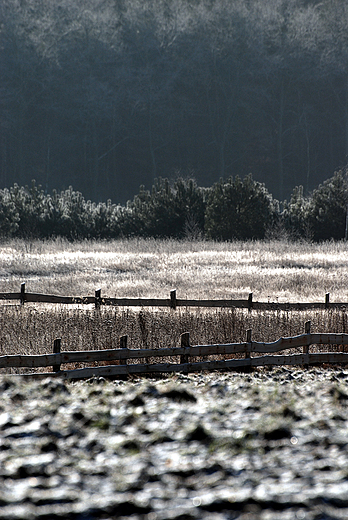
pixel 234 209
pixel 108 95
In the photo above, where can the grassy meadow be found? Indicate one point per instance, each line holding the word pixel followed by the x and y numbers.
pixel 272 270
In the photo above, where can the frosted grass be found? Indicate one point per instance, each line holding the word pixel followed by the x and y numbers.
pixel 272 270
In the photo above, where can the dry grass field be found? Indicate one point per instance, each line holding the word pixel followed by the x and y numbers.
pixel 273 271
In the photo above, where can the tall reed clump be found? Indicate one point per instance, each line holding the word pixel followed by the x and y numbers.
pixel 29 330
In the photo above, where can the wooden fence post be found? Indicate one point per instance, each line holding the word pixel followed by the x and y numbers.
pixel 173 299
pixel 56 350
pixel 22 296
pixel 250 301
pixel 248 349
pixel 123 344
pixel 306 347
pixel 248 340
pixel 327 300
pixel 97 299
pixel 185 343
pixel 123 341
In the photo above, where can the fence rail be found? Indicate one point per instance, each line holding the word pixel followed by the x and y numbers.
pixel 183 353
pixel 172 302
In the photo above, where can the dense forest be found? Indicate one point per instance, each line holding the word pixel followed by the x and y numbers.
pixel 107 95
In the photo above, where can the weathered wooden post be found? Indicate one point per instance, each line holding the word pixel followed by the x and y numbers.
pixel 248 340
pixel 123 344
pixel 250 301
pixel 123 341
pixel 22 296
pixel 327 300
pixel 173 299
pixel 248 350
pixel 306 347
pixel 56 350
pixel 185 343
pixel 97 299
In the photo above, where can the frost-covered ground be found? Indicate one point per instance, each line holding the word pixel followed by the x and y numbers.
pixel 272 270
pixel 265 445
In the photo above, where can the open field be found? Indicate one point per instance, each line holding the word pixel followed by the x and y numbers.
pixel 272 271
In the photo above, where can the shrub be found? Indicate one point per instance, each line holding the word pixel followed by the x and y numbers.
pixel 239 209
pixel 69 215
pixel 165 211
pixel 295 216
pixel 9 217
pixel 328 207
pixel 106 220
pixel 29 206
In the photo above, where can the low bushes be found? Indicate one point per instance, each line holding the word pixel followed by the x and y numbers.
pixel 233 209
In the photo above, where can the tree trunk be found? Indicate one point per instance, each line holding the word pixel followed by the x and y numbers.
pixel 280 143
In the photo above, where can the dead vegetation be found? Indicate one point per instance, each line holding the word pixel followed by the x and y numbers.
pixel 28 330
pixel 271 270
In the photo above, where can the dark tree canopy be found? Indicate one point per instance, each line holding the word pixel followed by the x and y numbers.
pixel 236 209
pixel 108 95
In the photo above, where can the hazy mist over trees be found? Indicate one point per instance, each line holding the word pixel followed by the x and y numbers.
pixel 107 95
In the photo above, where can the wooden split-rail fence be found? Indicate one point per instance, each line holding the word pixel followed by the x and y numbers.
pixel 172 302
pixel 183 357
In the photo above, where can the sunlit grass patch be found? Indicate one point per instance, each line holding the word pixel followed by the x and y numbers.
pixel 273 271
